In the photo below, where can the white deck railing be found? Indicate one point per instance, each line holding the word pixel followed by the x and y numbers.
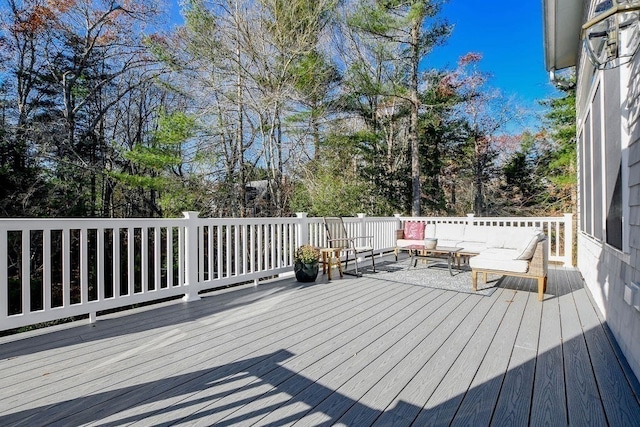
pixel 58 268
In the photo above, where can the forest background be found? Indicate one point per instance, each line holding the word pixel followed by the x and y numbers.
pixel 263 108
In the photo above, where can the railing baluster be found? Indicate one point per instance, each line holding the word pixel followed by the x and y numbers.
pixel 46 269
pixel 100 267
pixel 210 247
pixel 236 250
pixel 83 235
pixel 170 257
pixel 115 236
pixel 4 274
pixel 181 255
pixel 260 248
pixel 26 271
pixel 558 235
pixel 130 261
pixel 66 267
pixel 201 261
pixel 244 251
pixel 144 259
pixel 157 258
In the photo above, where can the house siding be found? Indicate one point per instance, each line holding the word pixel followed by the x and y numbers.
pixel 605 269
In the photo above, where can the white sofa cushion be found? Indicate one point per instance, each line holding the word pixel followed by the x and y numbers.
pixel 498 238
pixel 499 259
pixel 528 248
pixel 509 237
pixel 476 233
pixel 450 232
pixel 429 231
pixel 472 247
pixel 449 243
pixel 403 243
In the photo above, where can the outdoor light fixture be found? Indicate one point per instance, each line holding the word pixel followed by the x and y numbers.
pixel 612 36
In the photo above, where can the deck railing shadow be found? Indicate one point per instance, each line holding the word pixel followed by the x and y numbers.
pixel 153 317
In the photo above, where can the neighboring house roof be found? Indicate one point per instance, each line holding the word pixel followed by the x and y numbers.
pixel 562 24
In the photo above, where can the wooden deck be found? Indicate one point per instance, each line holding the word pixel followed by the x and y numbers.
pixel 354 352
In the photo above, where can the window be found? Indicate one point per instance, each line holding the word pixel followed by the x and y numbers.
pixel 587 211
pixel 613 161
pixel 601 188
pixel 596 157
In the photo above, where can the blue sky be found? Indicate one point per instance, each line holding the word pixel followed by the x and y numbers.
pixel 509 36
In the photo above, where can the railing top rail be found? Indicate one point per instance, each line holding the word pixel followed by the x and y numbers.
pixel 63 223
pixel 481 218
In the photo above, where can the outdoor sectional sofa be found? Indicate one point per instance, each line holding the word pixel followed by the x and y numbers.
pixel 510 251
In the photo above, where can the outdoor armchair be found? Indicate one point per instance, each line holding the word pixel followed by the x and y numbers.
pixel 338 237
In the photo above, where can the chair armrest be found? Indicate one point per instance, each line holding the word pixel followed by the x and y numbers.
pixel 344 242
pixel 538 265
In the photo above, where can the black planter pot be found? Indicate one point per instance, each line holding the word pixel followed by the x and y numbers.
pixel 306 272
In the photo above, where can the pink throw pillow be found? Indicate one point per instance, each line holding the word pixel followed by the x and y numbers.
pixel 413 230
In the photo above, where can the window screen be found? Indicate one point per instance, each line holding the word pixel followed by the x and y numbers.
pixel 613 160
pixel 596 158
pixel 587 177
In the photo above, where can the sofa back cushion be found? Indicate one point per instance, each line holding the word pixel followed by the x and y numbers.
pixel 453 232
pixel 528 248
pixel 414 230
pixel 500 238
pixel 476 234
pixel 430 231
pixel 521 239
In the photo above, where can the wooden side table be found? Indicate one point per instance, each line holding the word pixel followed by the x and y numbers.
pixel 331 258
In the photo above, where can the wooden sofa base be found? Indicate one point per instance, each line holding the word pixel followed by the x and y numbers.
pixel 542 281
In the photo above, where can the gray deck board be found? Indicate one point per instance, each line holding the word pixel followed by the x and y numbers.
pixel 549 403
pixel 356 351
pixel 193 342
pixel 582 393
pixel 480 400
pixel 265 337
pixel 407 405
pixel 620 403
pixel 348 340
pixel 409 341
pixel 514 402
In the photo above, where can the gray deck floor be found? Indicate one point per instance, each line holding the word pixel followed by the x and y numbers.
pixel 355 352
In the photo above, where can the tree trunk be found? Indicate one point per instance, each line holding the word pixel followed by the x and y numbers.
pixel 413 122
pixel 242 185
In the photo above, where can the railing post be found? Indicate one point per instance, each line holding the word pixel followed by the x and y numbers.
pixel 191 256
pixel 362 228
pixel 568 240
pixel 302 236
pixel 470 218
pixel 362 224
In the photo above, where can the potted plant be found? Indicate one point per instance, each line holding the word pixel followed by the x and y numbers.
pixel 306 260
